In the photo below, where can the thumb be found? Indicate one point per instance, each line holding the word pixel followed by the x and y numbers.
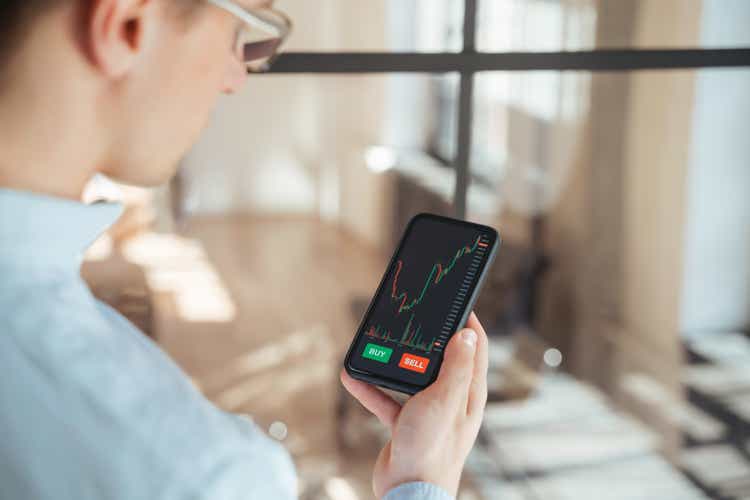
pixel 456 371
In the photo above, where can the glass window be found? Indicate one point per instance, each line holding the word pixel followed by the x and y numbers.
pixel 568 25
pixel 618 305
pixel 391 25
pixel 629 316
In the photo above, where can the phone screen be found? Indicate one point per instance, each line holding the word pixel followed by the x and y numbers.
pixel 423 298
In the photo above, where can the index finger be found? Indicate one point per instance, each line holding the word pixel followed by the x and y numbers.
pixel 454 379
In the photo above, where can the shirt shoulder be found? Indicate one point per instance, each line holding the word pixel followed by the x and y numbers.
pixel 418 491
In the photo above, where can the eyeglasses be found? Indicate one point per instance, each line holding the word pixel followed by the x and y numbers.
pixel 261 35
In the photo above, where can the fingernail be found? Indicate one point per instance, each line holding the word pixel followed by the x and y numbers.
pixel 470 337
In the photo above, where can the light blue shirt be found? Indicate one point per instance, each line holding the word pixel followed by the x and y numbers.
pixel 90 408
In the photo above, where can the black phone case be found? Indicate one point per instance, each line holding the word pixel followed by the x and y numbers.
pixel 404 386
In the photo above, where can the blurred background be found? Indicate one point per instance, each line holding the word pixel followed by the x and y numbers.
pixel 619 304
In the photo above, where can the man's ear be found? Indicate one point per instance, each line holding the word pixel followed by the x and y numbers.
pixel 117 32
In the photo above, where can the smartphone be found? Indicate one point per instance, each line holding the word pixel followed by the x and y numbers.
pixel 425 296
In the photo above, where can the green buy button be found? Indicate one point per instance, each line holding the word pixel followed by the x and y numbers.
pixel 377 353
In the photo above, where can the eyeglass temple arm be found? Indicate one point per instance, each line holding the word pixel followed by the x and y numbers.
pixel 248 17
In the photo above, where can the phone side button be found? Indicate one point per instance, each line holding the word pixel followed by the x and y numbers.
pixel 414 363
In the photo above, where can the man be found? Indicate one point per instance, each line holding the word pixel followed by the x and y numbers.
pixel 91 409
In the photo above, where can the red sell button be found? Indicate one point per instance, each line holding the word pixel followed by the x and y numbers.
pixel 413 363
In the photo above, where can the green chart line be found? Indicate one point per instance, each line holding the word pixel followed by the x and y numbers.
pixel 437 273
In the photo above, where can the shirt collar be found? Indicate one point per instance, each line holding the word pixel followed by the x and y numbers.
pixel 49 231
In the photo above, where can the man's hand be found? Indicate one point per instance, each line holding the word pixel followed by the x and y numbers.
pixel 432 434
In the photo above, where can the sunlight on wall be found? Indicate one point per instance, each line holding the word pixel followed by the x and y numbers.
pixel 100 250
pixel 339 489
pixel 265 358
pixel 179 267
pixel 262 376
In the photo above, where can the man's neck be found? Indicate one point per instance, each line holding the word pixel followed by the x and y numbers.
pixel 38 170
pixel 42 177
pixel 47 145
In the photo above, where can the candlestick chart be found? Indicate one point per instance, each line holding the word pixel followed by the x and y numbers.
pixel 407 300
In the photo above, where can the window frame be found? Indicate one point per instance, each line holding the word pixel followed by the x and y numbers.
pixel 468 62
